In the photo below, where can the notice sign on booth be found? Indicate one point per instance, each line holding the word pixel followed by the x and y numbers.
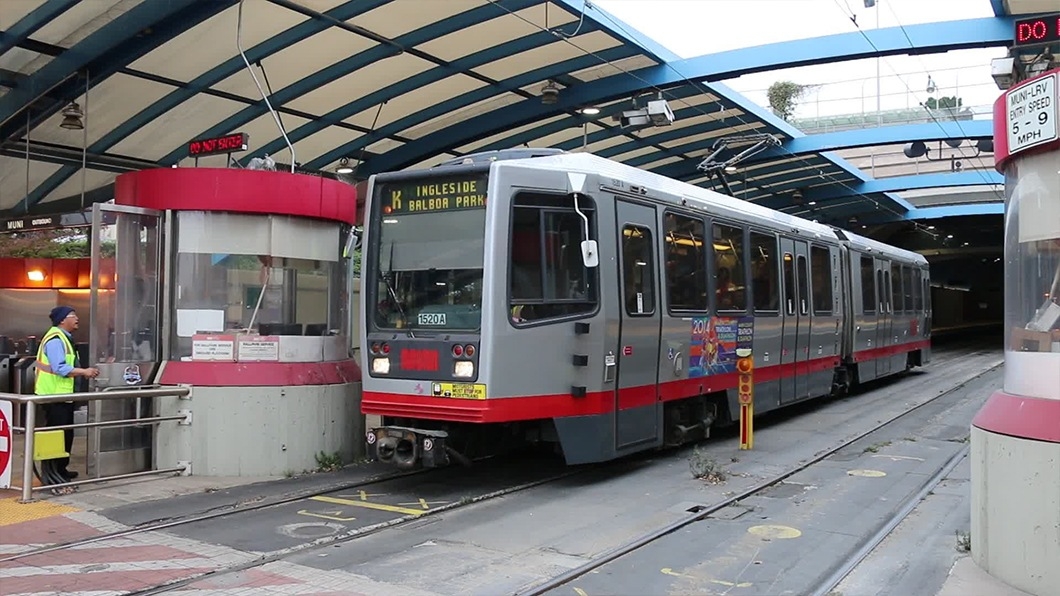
pixel 6 444
pixel 213 347
pixel 1031 114
pixel 259 348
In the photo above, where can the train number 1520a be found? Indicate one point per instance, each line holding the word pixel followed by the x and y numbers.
pixel 431 318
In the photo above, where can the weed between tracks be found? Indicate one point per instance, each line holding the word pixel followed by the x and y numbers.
pixel 705 468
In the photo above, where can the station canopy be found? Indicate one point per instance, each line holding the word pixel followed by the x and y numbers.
pixel 359 87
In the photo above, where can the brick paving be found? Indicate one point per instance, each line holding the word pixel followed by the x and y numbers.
pixel 139 561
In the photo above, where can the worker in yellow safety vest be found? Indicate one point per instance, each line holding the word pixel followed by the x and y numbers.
pixel 57 365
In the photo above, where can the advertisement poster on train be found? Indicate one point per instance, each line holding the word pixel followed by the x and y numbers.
pixel 714 343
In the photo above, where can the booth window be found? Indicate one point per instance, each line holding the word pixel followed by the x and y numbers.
pixel 285 279
pixel 547 279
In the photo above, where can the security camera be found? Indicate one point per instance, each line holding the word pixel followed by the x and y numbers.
pixel 633 118
pixel 660 113
pixel 797 196
pixel 1003 70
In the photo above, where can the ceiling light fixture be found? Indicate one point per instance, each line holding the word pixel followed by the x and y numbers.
pixel 344 166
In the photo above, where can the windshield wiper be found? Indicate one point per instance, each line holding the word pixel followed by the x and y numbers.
pixel 393 292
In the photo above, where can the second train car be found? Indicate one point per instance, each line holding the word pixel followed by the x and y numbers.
pixel 565 298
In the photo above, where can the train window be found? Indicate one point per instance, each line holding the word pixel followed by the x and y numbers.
pixel 918 298
pixel 686 263
pixel 907 294
pixel 868 286
pixel 896 288
pixel 804 299
pixel 881 291
pixel 729 286
pixel 637 275
pixel 789 285
pixel 821 272
pixel 547 279
pixel 765 280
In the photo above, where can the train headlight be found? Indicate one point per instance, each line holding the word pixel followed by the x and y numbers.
pixel 381 366
pixel 464 369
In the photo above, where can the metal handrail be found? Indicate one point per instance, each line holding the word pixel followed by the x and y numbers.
pixel 29 428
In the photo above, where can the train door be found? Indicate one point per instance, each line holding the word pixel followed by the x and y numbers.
pixel 796 327
pixel 884 317
pixel 636 396
pixel 804 321
pixel 865 307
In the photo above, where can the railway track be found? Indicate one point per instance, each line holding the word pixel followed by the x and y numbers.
pixel 380 482
pixel 701 513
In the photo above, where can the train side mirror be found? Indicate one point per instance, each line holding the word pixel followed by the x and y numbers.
pixel 590 256
pixel 353 242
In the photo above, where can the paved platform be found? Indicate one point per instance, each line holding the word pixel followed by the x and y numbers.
pixel 120 565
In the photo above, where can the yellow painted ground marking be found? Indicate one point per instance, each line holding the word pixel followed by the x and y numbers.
pixel 368 505
pixel 425 503
pixel 774 532
pixel 332 515
pixel 580 592
pixel 867 473
pixel 12 512
pixel 669 571
pixel 898 457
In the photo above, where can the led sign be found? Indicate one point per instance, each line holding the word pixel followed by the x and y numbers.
pixel 1038 30
pixel 226 144
pixel 429 195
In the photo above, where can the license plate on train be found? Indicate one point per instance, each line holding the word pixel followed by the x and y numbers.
pixel 460 390
pixel 431 318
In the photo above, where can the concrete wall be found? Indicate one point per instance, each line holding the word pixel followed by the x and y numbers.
pixel 1016 510
pixel 261 431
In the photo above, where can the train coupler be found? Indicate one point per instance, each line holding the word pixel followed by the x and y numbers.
pixel 408 448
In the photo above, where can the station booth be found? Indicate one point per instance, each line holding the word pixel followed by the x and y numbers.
pixel 235 283
pixel 1015 437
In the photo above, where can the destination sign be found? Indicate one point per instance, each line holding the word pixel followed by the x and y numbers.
pixel 430 195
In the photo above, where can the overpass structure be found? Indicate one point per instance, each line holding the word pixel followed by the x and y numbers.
pixel 367 86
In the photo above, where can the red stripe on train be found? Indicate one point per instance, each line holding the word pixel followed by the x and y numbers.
pixel 535 407
pixel 894 350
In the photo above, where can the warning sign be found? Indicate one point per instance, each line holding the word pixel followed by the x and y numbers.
pixel 5 444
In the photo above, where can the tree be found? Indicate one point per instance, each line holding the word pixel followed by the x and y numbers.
pixel 783 96
pixel 51 244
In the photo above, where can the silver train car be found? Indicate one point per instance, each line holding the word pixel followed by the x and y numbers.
pixel 567 299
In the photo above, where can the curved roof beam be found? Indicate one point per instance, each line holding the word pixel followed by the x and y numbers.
pixel 884 135
pixel 202 82
pixel 104 52
pixel 457 103
pixel 29 24
pixel 894 184
pixel 618 28
pixel 340 69
pixel 997 208
pixel 832 141
pixel 926 38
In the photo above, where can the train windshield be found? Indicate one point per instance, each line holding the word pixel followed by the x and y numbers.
pixel 429 242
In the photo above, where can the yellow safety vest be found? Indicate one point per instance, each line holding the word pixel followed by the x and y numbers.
pixel 49 383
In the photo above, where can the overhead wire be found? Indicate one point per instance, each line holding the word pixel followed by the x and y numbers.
pixel 915 95
pixel 705 87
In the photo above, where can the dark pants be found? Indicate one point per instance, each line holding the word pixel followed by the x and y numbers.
pixel 57 414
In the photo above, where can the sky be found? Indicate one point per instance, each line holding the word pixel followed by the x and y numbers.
pixel 692 28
